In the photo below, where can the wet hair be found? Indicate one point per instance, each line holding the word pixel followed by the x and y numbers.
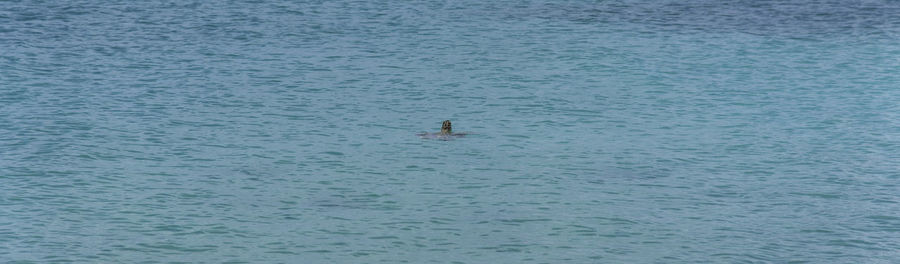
pixel 445 127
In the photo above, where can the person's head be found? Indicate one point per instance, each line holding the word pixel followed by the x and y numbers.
pixel 445 127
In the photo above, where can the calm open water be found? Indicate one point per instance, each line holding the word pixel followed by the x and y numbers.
pixel 605 131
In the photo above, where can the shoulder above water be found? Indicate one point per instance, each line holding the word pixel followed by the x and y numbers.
pixel 441 135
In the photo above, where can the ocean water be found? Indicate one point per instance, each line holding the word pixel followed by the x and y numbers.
pixel 602 131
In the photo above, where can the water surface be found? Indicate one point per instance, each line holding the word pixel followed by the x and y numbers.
pixel 605 131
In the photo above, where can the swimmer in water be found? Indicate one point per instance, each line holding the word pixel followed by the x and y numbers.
pixel 446 128
pixel 445 134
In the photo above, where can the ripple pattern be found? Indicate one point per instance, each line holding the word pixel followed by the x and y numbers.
pixel 602 132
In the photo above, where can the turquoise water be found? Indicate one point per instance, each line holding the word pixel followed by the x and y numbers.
pixel 603 132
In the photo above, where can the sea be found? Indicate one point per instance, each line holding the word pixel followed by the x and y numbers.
pixel 620 131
